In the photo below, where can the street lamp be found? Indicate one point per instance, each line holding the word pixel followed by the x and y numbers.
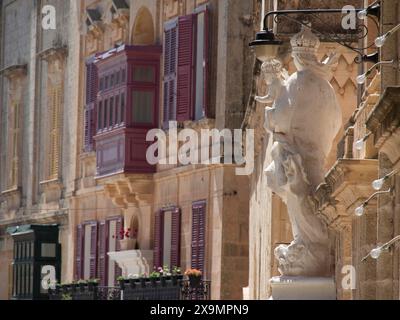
pixel 359 211
pixel 266 45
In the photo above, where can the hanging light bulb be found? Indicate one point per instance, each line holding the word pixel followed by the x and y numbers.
pixel 378 184
pixel 362 14
pixel 360 210
pixel 380 41
pixel 359 144
pixel 361 78
pixel 376 253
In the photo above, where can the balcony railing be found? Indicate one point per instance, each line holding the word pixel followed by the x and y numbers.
pixel 163 289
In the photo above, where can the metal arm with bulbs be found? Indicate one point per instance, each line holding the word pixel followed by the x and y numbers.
pixel 376 253
pixel 359 211
pixel 266 45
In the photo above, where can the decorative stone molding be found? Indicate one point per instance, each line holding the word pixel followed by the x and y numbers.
pixel 133 262
pixel 384 123
pixel 346 184
pixel 54 53
pixel 11 199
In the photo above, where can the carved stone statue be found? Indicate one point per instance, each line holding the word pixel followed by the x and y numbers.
pixel 304 119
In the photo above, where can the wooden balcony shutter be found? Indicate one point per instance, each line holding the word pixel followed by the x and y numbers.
pixel 170 60
pixel 102 262
pixel 176 238
pixel 79 252
pixel 198 235
pixel 118 226
pixel 158 239
pixel 90 108
pixel 184 108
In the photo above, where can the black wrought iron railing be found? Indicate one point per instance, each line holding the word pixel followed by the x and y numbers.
pixel 163 289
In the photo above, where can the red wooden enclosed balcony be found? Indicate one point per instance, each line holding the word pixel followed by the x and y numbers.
pixel 126 108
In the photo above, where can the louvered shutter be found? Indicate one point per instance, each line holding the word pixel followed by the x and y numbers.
pixel 170 59
pixel 93 250
pixel 198 235
pixel 79 253
pixel 158 239
pixel 102 262
pixel 176 238
pixel 118 226
pixel 90 108
pixel 206 65
pixel 184 105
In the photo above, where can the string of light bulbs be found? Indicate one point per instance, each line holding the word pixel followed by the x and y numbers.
pixel 377 252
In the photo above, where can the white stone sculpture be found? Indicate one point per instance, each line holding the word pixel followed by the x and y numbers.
pixel 304 119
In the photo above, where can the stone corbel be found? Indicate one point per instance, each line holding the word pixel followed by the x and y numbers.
pixel 54 53
pixel 15 71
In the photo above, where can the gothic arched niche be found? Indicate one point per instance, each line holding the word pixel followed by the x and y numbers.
pixel 143 28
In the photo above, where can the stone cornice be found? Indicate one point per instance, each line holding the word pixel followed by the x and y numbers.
pixel 384 119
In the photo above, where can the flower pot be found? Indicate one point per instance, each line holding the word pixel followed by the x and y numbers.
pixel 121 284
pixel 127 244
pixel 82 287
pixel 194 281
pixel 164 281
pixel 154 281
pixel 132 283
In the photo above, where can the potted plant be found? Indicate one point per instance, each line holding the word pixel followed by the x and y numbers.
pixel 92 284
pixel 74 286
pixel 127 239
pixel 194 276
pixel 154 277
pixel 132 280
pixel 143 279
pixel 82 285
pixel 176 275
pixel 121 281
pixel 58 288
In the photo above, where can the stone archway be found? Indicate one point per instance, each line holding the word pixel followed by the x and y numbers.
pixel 143 32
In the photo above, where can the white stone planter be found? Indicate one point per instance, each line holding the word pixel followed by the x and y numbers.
pixel 133 262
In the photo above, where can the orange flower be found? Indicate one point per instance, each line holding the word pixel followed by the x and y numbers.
pixel 193 273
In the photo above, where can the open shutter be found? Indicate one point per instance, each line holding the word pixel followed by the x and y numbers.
pixel 158 239
pixel 184 108
pixel 79 253
pixel 93 250
pixel 170 60
pixel 118 226
pixel 90 108
pixel 176 239
pixel 102 256
pixel 206 65
pixel 198 235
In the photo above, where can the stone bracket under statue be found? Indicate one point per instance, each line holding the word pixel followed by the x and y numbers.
pixel 304 118
pixel 133 262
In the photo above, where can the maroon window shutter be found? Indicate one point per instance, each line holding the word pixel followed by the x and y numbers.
pixel 102 262
pixel 198 235
pixel 79 252
pixel 184 105
pixel 158 239
pixel 118 226
pixel 176 238
pixel 93 250
pixel 90 108
pixel 206 65
pixel 170 59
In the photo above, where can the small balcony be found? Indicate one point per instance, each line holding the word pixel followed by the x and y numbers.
pixel 139 289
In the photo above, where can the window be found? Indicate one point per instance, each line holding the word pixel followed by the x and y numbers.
pixel 144 74
pixel 117 111
pixel 198 235
pixel 105 114
pixel 111 111
pixel 185 68
pixel 93 241
pixel 122 107
pixel 142 106
pixel 90 107
pixel 167 237
pixel 100 116
pixel 55 100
